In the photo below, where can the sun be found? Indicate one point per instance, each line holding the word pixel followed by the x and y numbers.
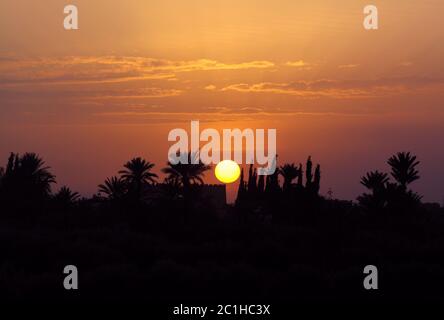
pixel 227 171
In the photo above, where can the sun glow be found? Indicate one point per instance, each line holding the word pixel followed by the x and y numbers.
pixel 227 171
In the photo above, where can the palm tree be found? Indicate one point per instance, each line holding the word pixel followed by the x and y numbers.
pixel 137 174
pixel 185 175
pixel 33 175
pixel 392 196
pixel 26 181
pixel 289 172
pixel 375 181
pixel 404 168
pixel 414 197
pixel 66 195
pixel 114 188
pixel 378 183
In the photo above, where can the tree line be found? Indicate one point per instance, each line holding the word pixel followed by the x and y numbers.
pixel 27 182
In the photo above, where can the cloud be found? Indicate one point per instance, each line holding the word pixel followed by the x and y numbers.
pixel 348 66
pixel 140 93
pixel 300 88
pixel 338 88
pixel 210 87
pixel 107 69
pixel 300 64
pixel 206 114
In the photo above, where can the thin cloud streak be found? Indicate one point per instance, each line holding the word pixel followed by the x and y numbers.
pixel 107 69
pixel 339 88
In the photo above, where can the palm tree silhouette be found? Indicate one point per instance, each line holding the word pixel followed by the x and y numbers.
pixel 137 174
pixel 66 196
pixel 378 183
pixel 404 168
pixel 26 181
pixel 33 175
pixel 185 175
pixel 289 172
pixel 114 188
pixel 375 181
pixel 392 196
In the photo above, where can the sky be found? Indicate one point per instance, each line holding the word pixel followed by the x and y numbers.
pixel 88 100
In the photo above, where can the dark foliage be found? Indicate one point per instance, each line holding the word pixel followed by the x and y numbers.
pixel 276 244
pixel 404 168
pixel 392 198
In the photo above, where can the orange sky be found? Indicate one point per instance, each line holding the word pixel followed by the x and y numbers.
pixel 90 99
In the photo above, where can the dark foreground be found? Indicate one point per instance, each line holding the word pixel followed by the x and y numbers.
pixel 153 258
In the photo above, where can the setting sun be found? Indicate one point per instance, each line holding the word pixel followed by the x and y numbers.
pixel 227 171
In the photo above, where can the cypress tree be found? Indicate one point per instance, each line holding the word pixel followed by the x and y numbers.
pixel 308 172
